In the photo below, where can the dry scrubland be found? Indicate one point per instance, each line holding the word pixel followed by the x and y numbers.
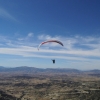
pixel 50 86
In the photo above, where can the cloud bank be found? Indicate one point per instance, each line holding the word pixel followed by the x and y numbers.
pixel 82 47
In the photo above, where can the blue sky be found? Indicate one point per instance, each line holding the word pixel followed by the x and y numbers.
pixel 24 24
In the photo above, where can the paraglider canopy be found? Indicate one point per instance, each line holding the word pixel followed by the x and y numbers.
pixel 56 41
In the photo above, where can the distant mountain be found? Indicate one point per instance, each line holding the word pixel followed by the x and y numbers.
pixel 1 67
pixel 95 71
pixel 20 69
pixel 47 70
pixel 36 70
pixel 61 70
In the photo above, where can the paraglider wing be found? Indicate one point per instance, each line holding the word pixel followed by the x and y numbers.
pixel 50 41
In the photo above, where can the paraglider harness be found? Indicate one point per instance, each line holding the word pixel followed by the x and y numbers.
pixel 53 61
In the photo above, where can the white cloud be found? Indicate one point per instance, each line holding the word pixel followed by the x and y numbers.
pixel 28 37
pixel 5 14
pixel 30 34
pixel 69 51
pixel 48 37
pixel 72 43
pixel 32 52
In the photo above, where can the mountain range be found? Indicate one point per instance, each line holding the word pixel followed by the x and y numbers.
pixel 49 70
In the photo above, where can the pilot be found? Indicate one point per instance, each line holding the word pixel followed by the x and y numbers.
pixel 53 61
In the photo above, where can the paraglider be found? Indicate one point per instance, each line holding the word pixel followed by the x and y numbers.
pixel 56 41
